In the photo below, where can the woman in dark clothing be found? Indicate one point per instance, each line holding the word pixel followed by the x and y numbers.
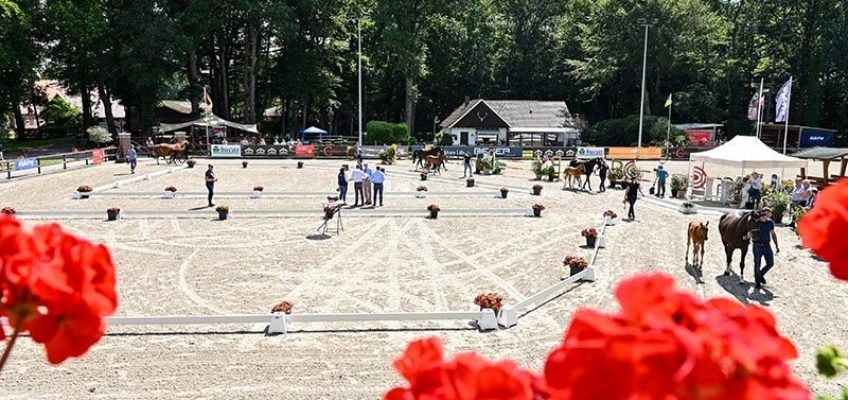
pixel 602 173
pixel 633 190
pixel 342 186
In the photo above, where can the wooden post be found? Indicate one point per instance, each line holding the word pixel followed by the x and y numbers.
pixel 825 167
pixel 844 164
pixel 38 162
pixel 803 173
pixel 64 162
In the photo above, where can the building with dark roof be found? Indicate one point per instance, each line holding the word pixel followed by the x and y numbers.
pixel 525 123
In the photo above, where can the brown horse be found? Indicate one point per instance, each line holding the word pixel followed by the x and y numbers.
pixel 735 230
pixel 177 152
pixel 437 162
pixel 570 173
pixel 697 235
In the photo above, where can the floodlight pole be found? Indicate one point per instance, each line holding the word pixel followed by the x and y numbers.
pixel 647 24
pixel 359 62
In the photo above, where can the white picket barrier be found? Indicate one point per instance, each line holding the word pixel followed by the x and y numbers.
pixel 281 323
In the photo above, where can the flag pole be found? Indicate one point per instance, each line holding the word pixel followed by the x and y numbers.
pixel 668 128
pixel 760 110
pixel 786 123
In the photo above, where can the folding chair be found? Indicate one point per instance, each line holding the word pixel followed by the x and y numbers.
pixel 331 211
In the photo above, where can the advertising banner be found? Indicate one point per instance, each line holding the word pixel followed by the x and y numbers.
pixel 564 152
pixel 682 153
pixel 630 153
pixel 813 138
pixel 700 138
pixel 590 152
pixel 226 150
pixel 304 151
pixel 26 163
pixel 334 150
pixel 458 151
pixel 98 156
pixel 265 151
pixel 371 151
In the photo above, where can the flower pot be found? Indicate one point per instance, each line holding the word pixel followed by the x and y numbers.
pixel 674 192
pixel 590 241
pixel 550 178
pixel 537 191
pixel 504 193
pixel 256 194
pixel 538 177
pixel 421 195
pixel 168 195
pixel 434 214
pixel 469 183
pixel 244 164
pixel 222 215
pixel 574 270
pixel 112 215
pixel 537 213
pixel 777 218
pixel 300 164
pixel 423 177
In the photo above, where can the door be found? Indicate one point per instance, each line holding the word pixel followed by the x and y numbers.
pixel 463 138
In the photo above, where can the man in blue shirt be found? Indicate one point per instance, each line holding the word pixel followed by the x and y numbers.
pixel 762 247
pixel 366 186
pixel 662 174
pixel 378 177
pixel 132 158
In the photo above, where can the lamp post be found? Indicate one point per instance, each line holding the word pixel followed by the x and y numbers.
pixel 206 123
pixel 435 122
pixel 647 24
pixel 359 67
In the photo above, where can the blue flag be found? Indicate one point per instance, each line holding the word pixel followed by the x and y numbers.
pixel 782 102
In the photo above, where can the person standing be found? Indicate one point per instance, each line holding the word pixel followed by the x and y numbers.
pixel 132 158
pixel 602 173
pixel 633 190
pixel 210 183
pixel 662 174
pixel 342 186
pixel 366 185
pixel 357 176
pixel 762 247
pixel 466 165
pixel 1 152
pixel 378 177
pixel 755 193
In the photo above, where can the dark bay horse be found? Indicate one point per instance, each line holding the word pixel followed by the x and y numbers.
pixel 589 167
pixel 736 230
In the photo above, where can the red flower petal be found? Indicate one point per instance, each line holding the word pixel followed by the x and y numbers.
pixel 420 355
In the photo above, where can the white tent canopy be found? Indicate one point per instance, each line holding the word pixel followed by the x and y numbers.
pixel 314 131
pixel 747 152
pixel 210 120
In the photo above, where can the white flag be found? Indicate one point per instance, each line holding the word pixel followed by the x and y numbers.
pixel 782 102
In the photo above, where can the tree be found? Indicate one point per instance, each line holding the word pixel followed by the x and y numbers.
pixel 20 54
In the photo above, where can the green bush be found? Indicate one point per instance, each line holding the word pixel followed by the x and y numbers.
pixel 382 132
pixel 625 131
pixel 445 139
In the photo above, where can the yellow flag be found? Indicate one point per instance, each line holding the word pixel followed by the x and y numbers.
pixel 668 101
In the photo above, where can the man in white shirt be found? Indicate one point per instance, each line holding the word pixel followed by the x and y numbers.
pixel 358 176
pixel 366 186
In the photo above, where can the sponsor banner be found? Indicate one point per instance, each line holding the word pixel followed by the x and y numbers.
pixel 813 138
pixel 371 151
pixel 564 152
pixel 304 151
pixel 226 150
pixel 682 153
pixel 98 156
pixel 590 152
pixel 700 138
pixel 630 153
pixel 265 151
pixel 219 131
pixel 459 151
pixel 26 163
pixel 334 150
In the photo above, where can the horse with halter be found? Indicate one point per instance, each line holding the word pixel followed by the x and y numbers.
pixel 735 230
pixel 172 153
pixel 697 236
pixel 419 156
pixel 573 172
pixel 588 168
pixel 436 162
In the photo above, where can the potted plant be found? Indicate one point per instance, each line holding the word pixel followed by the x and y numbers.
pixel 550 172
pixel 687 208
pixel 504 192
pixel 423 176
pixel 191 163
pixel 223 212
pixel 537 210
pixel 615 175
pixel 591 235
pixel 257 192
pixel 679 184
pixel 779 202
pixel 329 211
pixel 736 193
pixel 421 192
pixel 8 211
pixel 258 188
pixel 113 213
pixel 284 307
pixel 537 169
pixel 169 192
pixel 387 157
pixel 469 182
pixel 489 300
pixel 609 215
pixel 796 213
pixel 83 191
pixel 575 264
pixel 299 164
pixel 537 190
pixel 244 164
pixel 434 211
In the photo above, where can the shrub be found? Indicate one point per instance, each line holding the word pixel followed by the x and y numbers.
pixel 611 214
pixel 489 300
pixel 258 188
pixel 382 132
pixel 421 188
pixel 284 307
pixel 99 134
pixel 679 182
pixel 222 209
pixel 433 208
pixel 114 210
pixel 538 207
pixel 589 232
pixel 84 189
pixel 171 189
pixel 574 261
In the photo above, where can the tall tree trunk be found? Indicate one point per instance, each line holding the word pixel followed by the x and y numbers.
pixel 87 120
pixel 287 104
pixel 193 87
pixel 221 98
pixel 250 74
pixel 305 113
pixel 410 103
pixel 107 106
pixel 20 126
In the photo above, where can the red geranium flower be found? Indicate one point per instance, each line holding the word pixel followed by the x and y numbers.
pixel 56 286
pixel 824 227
